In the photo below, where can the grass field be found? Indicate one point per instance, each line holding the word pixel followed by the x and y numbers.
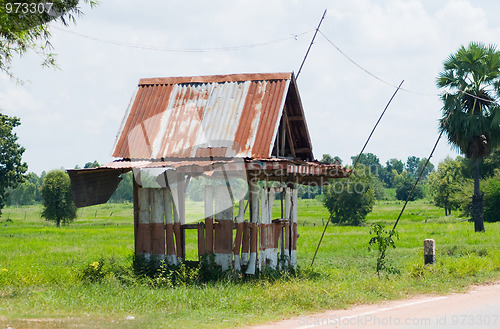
pixel 41 270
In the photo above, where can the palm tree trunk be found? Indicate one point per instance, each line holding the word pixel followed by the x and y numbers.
pixel 477 201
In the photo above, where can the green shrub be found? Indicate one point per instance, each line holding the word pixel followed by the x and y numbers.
pixel 93 272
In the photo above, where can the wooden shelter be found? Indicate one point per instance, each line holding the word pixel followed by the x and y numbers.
pixel 240 132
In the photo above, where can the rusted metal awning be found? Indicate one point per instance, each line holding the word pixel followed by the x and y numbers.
pixel 94 185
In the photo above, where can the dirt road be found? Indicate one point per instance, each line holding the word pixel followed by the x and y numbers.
pixel 478 308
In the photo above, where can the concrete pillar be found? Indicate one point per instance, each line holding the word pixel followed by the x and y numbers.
pixel 429 251
pixel 223 215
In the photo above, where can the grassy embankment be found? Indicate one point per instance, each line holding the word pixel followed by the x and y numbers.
pixel 41 268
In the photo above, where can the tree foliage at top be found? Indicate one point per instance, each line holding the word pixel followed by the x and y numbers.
pixel 24 27
pixel 12 168
pixel 58 203
pixel 471 114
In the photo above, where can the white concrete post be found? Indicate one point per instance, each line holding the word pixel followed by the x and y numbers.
pixel 429 251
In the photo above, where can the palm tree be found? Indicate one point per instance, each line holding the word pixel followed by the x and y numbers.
pixel 471 114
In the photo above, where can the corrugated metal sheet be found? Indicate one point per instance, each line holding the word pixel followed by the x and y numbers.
pixel 223 115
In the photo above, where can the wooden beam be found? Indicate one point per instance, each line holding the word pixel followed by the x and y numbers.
pixel 289 137
pixel 303 150
pixel 296 118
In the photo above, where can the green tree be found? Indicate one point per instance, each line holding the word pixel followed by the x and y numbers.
pixel 24 26
pixel 370 161
pixel 124 192
pixel 355 195
pixel 428 169
pixel 26 193
pixel 392 167
pixel 446 184
pixel 327 158
pixel 94 164
pixel 11 166
pixel 412 166
pixel 404 185
pixel 58 203
pixel 471 115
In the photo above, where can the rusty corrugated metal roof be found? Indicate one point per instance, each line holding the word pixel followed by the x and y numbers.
pixel 234 115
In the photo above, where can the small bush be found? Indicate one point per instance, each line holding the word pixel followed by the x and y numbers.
pixel 93 272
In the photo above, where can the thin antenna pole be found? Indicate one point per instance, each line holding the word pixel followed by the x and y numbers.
pixel 353 167
pixel 310 45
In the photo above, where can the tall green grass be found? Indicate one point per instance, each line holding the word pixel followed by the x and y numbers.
pixel 42 270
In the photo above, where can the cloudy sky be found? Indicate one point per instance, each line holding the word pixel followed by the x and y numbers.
pixel 71 116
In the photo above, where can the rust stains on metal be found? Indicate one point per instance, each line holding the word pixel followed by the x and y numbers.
pixel 185 116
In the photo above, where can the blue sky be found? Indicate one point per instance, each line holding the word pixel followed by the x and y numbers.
pixel 71 116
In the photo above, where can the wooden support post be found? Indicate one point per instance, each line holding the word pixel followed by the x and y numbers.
pixel 157 223
pixel 239 235
pixel 201 240
pixel 143 229
pixel 253 196
pixel 209 220
pixel 181 204
pixel 135 188
pixel 277 228
pixel 288 215
pixel 293 227
pixel 272 240
pixel 169 227
pixel 286 256
pixel 245 243
pixel 263 228
pixel 252 263
pixel 177 223
pixel 223 243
